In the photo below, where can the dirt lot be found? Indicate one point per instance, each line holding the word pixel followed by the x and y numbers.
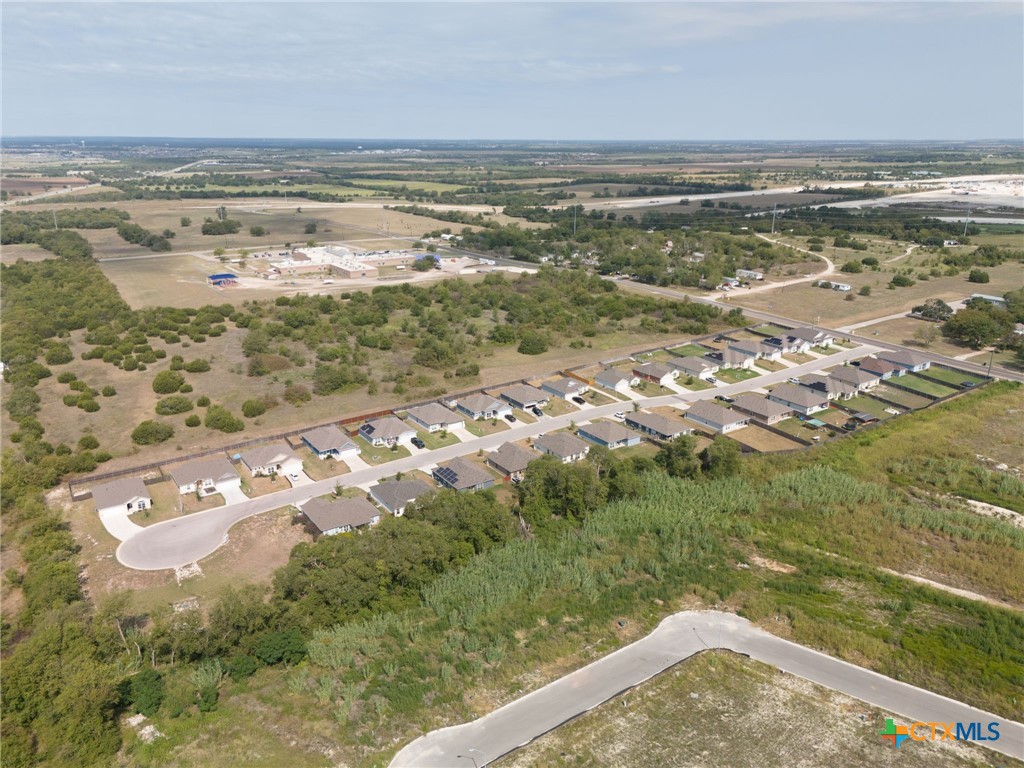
pixel 763 441
pixel 720 709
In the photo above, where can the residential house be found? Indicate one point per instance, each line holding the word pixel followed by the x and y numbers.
pixel 565 447
pixel 881 368
pixel 904 358
pixel 719 419
pixel 855 377
pixel 761 409
pixel 816 337
pixel 396 495
pixel 789 345
pixel 697 367
pixel 330 443
pixel 129 494
pixel 657 426
pixel 749 274
pixel 656 372
pixel 803 400
pixel 609 434
pixel 483 407
pixel 756 350
pixel 831 387
pixel 615 380
pixel 434 417
pixel 205 475
pixel 341 515
pixel 729 358
pixel 511 460
pixel 523 396
pixel 271 460
pixel 461 474
pixel 565 388
pixel 389 430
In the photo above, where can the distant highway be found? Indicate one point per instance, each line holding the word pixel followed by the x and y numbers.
pixel 677 638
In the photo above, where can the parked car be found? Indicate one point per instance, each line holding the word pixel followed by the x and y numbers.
pixel 711 380
pixel 620 415
pixel 578 400
pixel 967 384
pixel 418 442
pixel 794 380
pixel 510 418
pixel 724 399
pixel 537 411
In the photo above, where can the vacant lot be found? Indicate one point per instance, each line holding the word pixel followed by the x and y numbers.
pixel 954 377
pixel 903 330
pixel 900 397
pixel 723 710
pixel 763 441
pixel 876 408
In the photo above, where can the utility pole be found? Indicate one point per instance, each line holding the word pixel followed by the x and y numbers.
pixel 574 221
pixel 54 218
pixel 773 217
pixel 968 221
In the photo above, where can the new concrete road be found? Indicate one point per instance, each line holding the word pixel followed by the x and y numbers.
pixel 185 540
pixel 677 638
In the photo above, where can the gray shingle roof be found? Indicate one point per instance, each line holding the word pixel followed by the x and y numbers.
pixel 266 455
pixel 565 386
pixel 799 395
pixel 608 432
pixel 461 473
pixel 662 425
pixel 758 405
pixel 481 403
pixel 657 370
pixel 215 469
pixel 510 457
pixel 693 365
pixel 328 515
pixel 609 377
pixel 561 444
pixel 715 413
pixel 852 375
pixel 395 494
pixel 523 393
pixel 434 413
pixel 902 357
pixel 118 492
pixel 328 438
pixel 387 428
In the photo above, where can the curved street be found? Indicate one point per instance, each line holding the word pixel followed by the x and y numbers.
pixel 677 638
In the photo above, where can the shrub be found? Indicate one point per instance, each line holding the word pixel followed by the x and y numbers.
pixel 869 261
pixel 277 647
pixel 88 405
pixel 203 401
pixel 901 281
pixel 532 343
pixel 88 442
pixel 66 377
pixel 146 692
pixel 297 394
pixel 220 418
pixel 865 290
pixel 173 404
pixel 852 267
pixel 975 276
pixel 185 388
pixel 193 421
pixel 103 456
pixel 151 432
pixel 253 408
pixel 109 391
pixel 71 400
pixel 167 382
pixel 199 365
pixel 59 354
pixel 241 667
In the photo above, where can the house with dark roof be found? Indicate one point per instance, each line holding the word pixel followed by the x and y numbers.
pixel 815 337
pixel 434 417
pixel 271 460
pixel 616 380
pixel 340 515
pixel 802 400
pixel 609 434
pixel 719 419
pixel 756 349
pixel 330 443
pixel 905 359
pixel 565 388
pixel 856 377
pixel 657 426
pixel 205 475
pixel 511 460
pixel 697 367
pixel 128 494
pixel 523 396
pixel 833 388
pixel 880 368
pixel 563 446
pixel 659 373
pixel 761 409
pixel 389 430
pixel 461 474
pixel 483 407
pixel 396 495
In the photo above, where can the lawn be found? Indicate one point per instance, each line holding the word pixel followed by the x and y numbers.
pixel 694 384
pixel 437 439
pixel 559 407
pixel 898 396
pixel 769 365
pixel 736 375
pixel 482 427
pixel 865 404
pixel 597 397
pixel 919 384
pixel 769 329
pixel 799 357
pixel 953 377
pixel 320 469
pixel 689 350
pixel 372 455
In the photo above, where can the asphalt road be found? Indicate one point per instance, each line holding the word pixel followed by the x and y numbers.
pixel 178 542
pixel 677 638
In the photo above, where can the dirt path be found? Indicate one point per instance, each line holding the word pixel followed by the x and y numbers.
pixel 953 590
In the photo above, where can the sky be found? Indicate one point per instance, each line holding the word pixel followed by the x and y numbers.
pixel 526 70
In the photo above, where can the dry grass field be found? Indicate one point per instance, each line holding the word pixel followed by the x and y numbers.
pixel 763 441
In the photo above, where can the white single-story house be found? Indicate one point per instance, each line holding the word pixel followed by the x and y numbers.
pixel 881 368
pixel 803 400
pixel 656 425
pixel 609 434
pixel 341 515
pixel 697 367
pixel 565 447
pixel 511 460
pixel 750 274
pixel 565 388
pixel 833 388
pixel 484 407
pixel 719 419
pixel 129 494
pixel 659 373
pixel 616 380
pixel 761 408
pixel 789 345
pixel 905 359
pixel 523 397
pixel 816 337
pixel 396 495
pixel 330 443
pixel 271 460
pixel 855 376
pixel 434 417
pixel 389 430
pixel 461 474
pixel 205 475
pixel 729 358
pixel 756 349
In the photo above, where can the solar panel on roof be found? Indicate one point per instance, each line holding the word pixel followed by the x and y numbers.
pixel 447 475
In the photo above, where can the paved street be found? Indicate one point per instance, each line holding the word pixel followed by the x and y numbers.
pixel 185 540
pixel 677 638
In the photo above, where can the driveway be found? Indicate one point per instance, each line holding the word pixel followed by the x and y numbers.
pixel 679 637
pixel 355 463
pixel 232 494
pixel 119 524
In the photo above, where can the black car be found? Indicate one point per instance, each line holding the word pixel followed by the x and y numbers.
pixel 537 411
pixel 724 399
pixel 579 400
pixel 510 418
pixel 418 442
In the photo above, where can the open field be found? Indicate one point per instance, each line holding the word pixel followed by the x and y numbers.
pixel 763 441
pixel 741 712
pixel 26 251
pixel 902 330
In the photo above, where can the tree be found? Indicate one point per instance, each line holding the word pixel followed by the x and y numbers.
pixel 147 692
pixel 677 457
pixel 310 228
pixel 286 647
pixel 721 458
pixel 185 221
pixel 852 267
pixel 934 309
pixel 169 406
pixel 477 520
pixel 257 231
pixel 977 276
pixel 167 382
pixel 193 421
pixel 926 335
pixel 220 418
pixel 865 290
pixel 552 488
pixel 532 343
pixel 901 281
pixel 978 327
pixel 423 265
pixel 150 432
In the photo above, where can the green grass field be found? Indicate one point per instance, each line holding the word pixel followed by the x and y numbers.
pixel 953 377
pixel 918 384
pixel 900 397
